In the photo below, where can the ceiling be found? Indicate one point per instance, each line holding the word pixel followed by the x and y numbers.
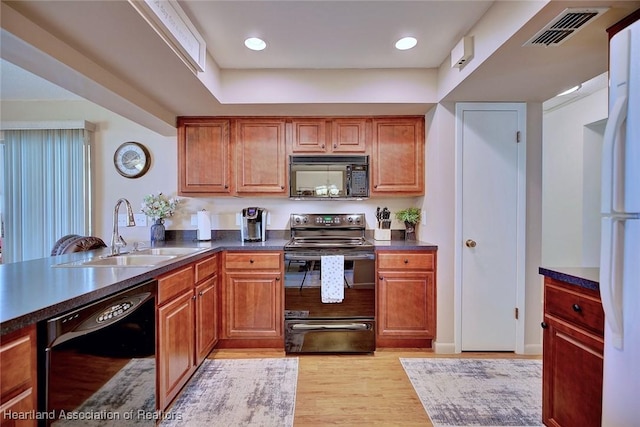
pixel 322 57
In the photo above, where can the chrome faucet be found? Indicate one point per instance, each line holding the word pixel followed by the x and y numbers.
pixel 116 239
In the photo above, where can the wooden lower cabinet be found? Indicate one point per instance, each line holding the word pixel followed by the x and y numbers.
pixel 252 295
pixel 175 335
pixel 187 322
pixel 573 345
pixel 18 377
pixel 406 298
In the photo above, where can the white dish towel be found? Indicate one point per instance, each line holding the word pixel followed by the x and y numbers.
pixel 332 271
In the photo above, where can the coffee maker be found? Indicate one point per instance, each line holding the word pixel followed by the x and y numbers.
pixel 254 225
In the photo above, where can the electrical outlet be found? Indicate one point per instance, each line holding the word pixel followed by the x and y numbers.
pixel 141 220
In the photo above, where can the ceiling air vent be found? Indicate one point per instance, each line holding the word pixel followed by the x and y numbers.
pixel 565 25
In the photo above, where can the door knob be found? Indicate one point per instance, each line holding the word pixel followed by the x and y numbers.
pixel 470 243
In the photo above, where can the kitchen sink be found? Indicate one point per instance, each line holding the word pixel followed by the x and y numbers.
pixel 121 261
pixel 177 251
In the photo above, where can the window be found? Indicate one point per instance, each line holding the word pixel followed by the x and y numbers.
pixel 46 190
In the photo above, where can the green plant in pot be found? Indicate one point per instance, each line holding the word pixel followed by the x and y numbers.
pixel 411 217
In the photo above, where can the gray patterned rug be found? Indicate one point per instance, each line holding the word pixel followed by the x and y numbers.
pixel 238 392
pixel 478 392
pixel 222 392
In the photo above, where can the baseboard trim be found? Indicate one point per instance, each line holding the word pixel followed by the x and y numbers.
pixel 444 348
pixel 533 349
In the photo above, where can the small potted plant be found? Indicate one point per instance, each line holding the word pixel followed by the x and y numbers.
pixel 411 217
pixel 158 207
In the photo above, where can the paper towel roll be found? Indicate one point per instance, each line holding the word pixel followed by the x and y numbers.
pixel 204 225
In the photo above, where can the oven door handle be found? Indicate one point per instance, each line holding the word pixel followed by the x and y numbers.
pixel 347 257
pixel 331 326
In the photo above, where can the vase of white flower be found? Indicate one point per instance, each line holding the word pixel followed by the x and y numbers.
pixel 158 207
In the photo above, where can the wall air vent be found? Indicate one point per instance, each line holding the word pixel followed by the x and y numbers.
pixel 565 25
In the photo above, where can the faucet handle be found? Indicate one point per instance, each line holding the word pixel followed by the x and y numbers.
pixel 121 242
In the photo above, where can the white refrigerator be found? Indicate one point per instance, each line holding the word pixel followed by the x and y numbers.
pixel 620 251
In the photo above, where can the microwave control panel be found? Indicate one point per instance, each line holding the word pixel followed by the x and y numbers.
pixel 359 181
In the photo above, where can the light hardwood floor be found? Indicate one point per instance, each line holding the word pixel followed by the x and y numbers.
pixel 355 390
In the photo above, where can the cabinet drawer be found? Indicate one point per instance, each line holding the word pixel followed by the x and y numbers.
pixel 253 260
pixel 582 311
pixel 17 358
pixel 406 260
pixel 174 284
pixel 206 268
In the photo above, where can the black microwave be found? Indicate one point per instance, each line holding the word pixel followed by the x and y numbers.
pixel 329 177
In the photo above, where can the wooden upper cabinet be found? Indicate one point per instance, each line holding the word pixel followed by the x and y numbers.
pixel 309 136
pixel 204 156
pixel 260 156
pixel 326 136
pixel 398 156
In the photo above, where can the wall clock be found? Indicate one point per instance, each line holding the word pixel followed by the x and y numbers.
pixel 132 159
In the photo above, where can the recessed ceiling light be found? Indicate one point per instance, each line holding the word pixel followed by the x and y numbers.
pixel 255 43
pixel 568 91
pixel 406 43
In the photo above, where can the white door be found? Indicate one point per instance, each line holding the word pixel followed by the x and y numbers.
pixel 491 159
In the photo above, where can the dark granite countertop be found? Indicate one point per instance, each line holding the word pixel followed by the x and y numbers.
pixel 33 291
pixel 585 277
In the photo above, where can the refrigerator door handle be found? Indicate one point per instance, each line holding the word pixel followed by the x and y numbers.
pixel 611 277
pixel 612 158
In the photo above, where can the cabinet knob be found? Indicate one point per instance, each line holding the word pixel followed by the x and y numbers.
pixel 380 278
pixel 375 186
pixel 226 186
pixel 576 308
pixel 277 279
pixel 322 146
pixel 200 293
pixel 282 187
pixel 335 145
pixel 251 261
pixel 406 261
pixel 193 297
pixel 544 325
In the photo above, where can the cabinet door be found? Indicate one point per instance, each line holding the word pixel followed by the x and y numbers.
pixel 406 302
pixel 175 347
pixel 348 135
pixel 253 305
pixel 203 156
pixel 572 376
pixel 398 157
pixel 308 135
pixel 260 156
pixel 206 318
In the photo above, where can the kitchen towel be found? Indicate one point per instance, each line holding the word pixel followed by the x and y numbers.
pixel 204 225
pixel 332 272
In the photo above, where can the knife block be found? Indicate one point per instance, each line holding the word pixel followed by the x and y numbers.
pixel 382 234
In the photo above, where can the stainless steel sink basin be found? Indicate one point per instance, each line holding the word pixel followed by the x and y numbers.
pixel 121 261
pixel 176 251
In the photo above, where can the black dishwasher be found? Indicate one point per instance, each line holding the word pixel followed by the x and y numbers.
pixel 100 361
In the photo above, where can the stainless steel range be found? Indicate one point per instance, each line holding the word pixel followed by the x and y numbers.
pixel 329 285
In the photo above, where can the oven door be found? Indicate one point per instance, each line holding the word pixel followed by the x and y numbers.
pixel 330 335
pixel 312 326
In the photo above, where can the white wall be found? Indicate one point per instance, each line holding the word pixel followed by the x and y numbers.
pixel 572 137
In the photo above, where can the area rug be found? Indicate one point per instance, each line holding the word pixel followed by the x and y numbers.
pixel 238 392
pixel 222 392
pixel 478 392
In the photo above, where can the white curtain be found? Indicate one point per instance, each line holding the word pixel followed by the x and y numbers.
pixel 47 190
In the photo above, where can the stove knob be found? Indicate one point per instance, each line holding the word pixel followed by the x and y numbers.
pixel 297 220
pixel 305 219
pixel 350 220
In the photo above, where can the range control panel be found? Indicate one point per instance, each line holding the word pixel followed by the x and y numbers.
pixel 328 220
